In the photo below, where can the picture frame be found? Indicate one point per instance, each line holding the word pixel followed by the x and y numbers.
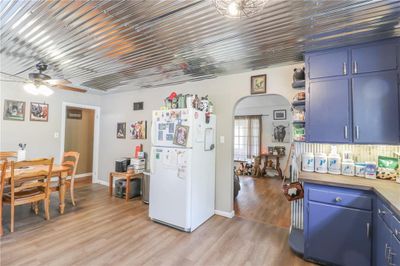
pixel 258 84
pixel 181 135
pixel 74 114
pixel 137 106
pixel 39 112
pixel 14 110
pixel 121 130
pixel 279 114
pixel 281 132
pixel 138 130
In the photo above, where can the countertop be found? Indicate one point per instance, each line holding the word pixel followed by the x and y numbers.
pixel 389 191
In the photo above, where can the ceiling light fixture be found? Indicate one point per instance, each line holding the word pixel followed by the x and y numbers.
pixel 36 90
pixel 239 8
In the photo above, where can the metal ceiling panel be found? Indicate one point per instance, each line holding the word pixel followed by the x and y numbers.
pixel 105 43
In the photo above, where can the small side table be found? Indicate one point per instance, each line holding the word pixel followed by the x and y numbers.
pixel 125 176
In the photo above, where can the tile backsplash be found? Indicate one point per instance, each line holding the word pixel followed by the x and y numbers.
pixel 361 153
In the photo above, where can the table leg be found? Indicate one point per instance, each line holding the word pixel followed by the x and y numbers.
pixel 128 187
pixel 278 167
pixel 61 191
pixel 110 184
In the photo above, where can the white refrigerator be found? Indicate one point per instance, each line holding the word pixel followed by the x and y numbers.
pixel 182 168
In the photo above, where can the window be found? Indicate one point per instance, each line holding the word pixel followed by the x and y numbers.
pixel 247 137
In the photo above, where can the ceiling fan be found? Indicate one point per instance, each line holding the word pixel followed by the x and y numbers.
pixel 40 83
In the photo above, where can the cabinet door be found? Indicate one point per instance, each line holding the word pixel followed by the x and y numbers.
pixel 330 64
pixel 394 252
pixel 338 235
pixel 329 112
pixel 382 242
pixel 374 58
pixel 376 108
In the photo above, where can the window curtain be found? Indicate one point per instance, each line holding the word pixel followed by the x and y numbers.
pixel 247 137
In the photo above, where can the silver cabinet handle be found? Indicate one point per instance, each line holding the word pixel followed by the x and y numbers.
pixel 381 212
pixel 345 132
pixel 344 68
pixel 338 199
pixel 368 230
pixel 396 232
pixel 355 67
pixel 386 256
pixel 357 132
pixel 390 257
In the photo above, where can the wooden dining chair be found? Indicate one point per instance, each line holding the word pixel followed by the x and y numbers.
pixel 29 190
pixel 70 159
pixel 3 169
pixel 7 155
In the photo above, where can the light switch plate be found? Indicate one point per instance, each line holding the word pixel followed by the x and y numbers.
pixel 56 135
pixel 222 139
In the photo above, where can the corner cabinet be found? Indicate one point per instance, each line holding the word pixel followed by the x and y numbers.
pixel 338 225
pixel 353 94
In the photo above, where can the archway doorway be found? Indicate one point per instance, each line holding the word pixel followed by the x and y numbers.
pixel 262 139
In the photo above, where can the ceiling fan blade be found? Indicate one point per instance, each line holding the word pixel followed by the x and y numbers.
pixel 57 81
pixel 14 76
pixel 69 88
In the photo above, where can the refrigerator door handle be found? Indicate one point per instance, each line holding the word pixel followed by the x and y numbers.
pixel 152 162
pixel 153 132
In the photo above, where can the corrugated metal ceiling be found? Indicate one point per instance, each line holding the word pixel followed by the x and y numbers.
pixel 104 44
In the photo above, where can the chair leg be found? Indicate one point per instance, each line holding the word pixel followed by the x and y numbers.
pixel 12 218
pixel 47 208
pixel 71 188
pixel 1 218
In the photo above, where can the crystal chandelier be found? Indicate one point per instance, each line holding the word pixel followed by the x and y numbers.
pixel 239 8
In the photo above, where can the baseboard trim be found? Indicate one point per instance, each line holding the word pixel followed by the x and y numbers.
pixel 225 214
pixel 83 175
pixel 101 182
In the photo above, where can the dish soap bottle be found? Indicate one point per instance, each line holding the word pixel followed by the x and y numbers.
pixel 334 164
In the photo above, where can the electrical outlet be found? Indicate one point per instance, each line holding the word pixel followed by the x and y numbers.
pixel 56 135
pixel 221 139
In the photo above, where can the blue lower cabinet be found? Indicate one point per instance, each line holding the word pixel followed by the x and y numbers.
pixel 394 252
pixel 382 243
pixel 336 232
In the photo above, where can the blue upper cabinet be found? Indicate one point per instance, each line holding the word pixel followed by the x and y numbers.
pixel 370 74
pixel 328 64
pixel 376 108
pixel 328 118
pixel 373 58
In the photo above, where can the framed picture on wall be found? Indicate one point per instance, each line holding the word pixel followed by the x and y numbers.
pixel 281 132
pixel 121 130
pixel 138 130
pixel 258 84
pixel 14 110
pixel 280 114
pixel 39 112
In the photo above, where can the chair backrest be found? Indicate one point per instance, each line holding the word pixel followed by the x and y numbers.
pixel 5 155
pixel 71 159
pixel 31 174
pixel 3 169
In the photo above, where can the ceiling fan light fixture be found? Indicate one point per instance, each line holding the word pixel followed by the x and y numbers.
pixel 239 8
pixel 44 90
pixel 31 89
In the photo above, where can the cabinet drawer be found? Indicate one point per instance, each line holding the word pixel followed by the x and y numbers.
pixel 340 197
pixel 384 212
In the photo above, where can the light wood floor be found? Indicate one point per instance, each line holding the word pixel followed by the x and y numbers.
pixel 110 231
pixel 261 200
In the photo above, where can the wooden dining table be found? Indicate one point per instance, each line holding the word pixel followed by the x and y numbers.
pixel 58 171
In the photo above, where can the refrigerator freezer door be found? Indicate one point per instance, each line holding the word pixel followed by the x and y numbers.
pixel 170 187
pixel 165 123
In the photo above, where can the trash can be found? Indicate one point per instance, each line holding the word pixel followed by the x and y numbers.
pixel 146 186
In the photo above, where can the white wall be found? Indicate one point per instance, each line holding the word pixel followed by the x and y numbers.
pixel 39 136
pixel 224 91
pixel 265 105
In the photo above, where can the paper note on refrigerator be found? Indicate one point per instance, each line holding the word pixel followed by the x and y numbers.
pixel 170 159
pixel 209 139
